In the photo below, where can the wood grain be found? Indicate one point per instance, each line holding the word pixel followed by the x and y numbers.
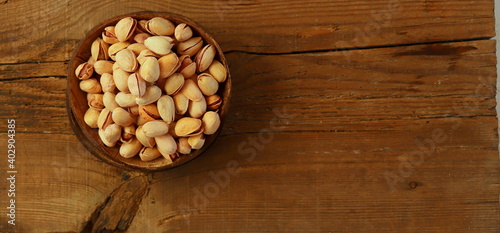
pixel 264 26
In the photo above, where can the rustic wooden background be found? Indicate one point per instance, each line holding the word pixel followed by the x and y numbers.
pixel 347 116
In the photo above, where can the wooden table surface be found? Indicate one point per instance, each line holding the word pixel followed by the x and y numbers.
pixel 346 116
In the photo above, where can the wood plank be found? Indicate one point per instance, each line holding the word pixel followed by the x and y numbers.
pixel 33 32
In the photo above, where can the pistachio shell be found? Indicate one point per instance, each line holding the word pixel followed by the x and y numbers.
pixel 130 149
pixel 168 64
pixel 121 80
pixel 128 133
pixel 207 84
pixel 90 85
pixel 191 91
pixel 211 122
pixel 152 94
pixel 160 26
pixel 196 109
pixel 160 45
pixel 141 58
pixel 197 141
pixel 188 126
pixel 125 28
pixel 134 110
pixel 149 154
pixel 145 141
pixel 190 47
pixel 183 32
pixel 205 57
pixel 181 103
pixel 90 117
pixel 155 128
pixel 213 102
pixel 104 140
pixel 136 48
pixel 183 146
pixel 174 84
pixel 125 100
pixel 104 119
pixel 109 36
pixel 136 85
pixel 187 67
pixel 117 47
pixel 141 37
pixel 103 66
pixel 112 133
pixel 107 83
pixel 122 117
pixel 218 71
pixel 95 101
pixel 166 108
pixel 149 112
pixel 150 70
pixel 109 100
pixel 99 50
pixel 84 71
pixel 126 60
pixel 166 144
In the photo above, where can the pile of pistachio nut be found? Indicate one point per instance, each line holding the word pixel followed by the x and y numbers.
pixel 152 88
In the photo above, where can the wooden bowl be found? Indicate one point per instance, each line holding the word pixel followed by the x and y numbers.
pixel 76 100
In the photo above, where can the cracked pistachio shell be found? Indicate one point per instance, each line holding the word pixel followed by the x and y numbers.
pixel 136 48
pixel 131 148
pixel 188 126
pixel 211 122
pixel 183 146
pixel 90 85
pixel 99 50
pixel 112 133
pixel 134 110
pixel 168 64
pixel 141 58
pixel 125 28
pixel 126 60
pixel 121 80
pixel 205 57
pixel 187 67
pixel 207 84
pixel 91 61
pixel 128 133
pixel 174 83
pixel 103 66
pixel 190 47
pixel 149 154
pixel 122 117
pixel 109 100
pixel 166 108
pixel 218 71
pixel 125 100
pixel 160 45
pixel 155 128
pixel 141 37
pixel 145 141
pixel 149 112
pixel 183 32
pixel 196 109
pixel 109 36
pixel 136 85
pixel 150 69
pixel 160 26
pixel 197 141
pixel 104 140
pixel 166 144
pixel 105 119
pixel 84 71
pixel 191 90
pixel 107 82
pixel 181 103
pixel 95 101
pixel 90 118
pixel 152 94
pixel 117 47
pixel 213 102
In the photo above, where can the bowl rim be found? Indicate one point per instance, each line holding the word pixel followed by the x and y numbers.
pixel 83 135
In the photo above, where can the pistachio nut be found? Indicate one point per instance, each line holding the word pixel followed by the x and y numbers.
pixel 107 83
pixel 84 71
pixel 196 109
pixel 90 85
pixel 213 102
pixel 171 129
pixel 125 100
pixel 149 112
pixel 99 49
pixel 183 146
pixel 152 94
pixel 104 139
pixel 197 141
pixel 148 154
pixel 174 83
pixel 126 60
pixel 191 90
pixel 109 100
pixel 122 117
pixel 104 119
pixel 155 128
pixel 181 103
pixel 141 58
pixel 134 110
pixel 168 64
pixel 102 66
pixel 166 144
pixel 205 58
pixel 145 141
pixel 91 61
pixel 90 118
pixel 120 77
pixel 160 26
pixel 207 84
pixel 218 71
pixel 150 69
pixel 136 48
pixel 141 37
pixel 141 26
pixel 183 32
pixel 160 45
pixel 128 133
pixel 109 36
pixel 140 121
pixel 187 67
pixel 188 126
pixel 115 66
pixel 190 47
pixel 211 122
pixel 136 85
pixel 112 133
pixel 172 157
pixel 95 101
pixel 131 148
pixel 166 108
pixel 125 28
pixel 117 47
